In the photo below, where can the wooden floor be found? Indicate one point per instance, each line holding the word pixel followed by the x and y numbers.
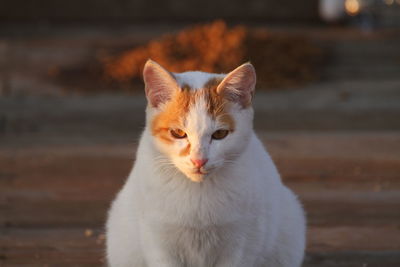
pixel 336 144
pixel 54 199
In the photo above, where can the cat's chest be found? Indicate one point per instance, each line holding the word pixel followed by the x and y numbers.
pixel 198 246
pixel 194 208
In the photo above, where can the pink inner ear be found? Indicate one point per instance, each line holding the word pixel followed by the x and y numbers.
pixel 160 84
pixel 238 85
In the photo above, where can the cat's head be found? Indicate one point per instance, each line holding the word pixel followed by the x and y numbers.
pixel 200 121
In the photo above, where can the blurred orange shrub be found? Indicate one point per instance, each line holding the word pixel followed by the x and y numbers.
pixel 280 60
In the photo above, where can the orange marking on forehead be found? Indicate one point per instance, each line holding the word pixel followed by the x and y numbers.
pixel 227 120
pixel 177 108
pixel 218 105
pixel 185 151
pixel 173 114
pixel 186 87
pixel 213 83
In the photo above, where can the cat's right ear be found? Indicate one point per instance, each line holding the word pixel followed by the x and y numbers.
pixel 159 83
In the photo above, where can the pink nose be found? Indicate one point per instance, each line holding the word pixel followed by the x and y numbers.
pixel 199 162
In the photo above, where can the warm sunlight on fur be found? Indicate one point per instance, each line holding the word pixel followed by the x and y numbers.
pixel 177 114
pixel 200 111
pixel 203 192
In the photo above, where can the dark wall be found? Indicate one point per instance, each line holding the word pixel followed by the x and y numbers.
pixel 144 10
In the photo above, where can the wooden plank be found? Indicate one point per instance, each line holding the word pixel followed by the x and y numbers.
pixel 324 208
pixel 353 238
pixel 50 195
pixel 85 247
pixel 353 259
pixel 56 247
pixel 356 176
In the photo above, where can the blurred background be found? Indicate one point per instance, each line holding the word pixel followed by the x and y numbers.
pixel 72 108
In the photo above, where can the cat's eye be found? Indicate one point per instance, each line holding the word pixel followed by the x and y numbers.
pixel 178 133
pixel 220 134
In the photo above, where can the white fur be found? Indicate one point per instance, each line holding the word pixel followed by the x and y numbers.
pixel 239 215
pixel 195 79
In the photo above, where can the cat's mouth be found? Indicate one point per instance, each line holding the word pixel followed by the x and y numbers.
pixel 198 171
pixel 197 175
pixel 203 171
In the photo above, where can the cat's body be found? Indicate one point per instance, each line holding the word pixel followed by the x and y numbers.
pixel 231 210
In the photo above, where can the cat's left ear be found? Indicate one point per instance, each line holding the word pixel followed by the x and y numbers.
pixel 159 83
pixel 238 85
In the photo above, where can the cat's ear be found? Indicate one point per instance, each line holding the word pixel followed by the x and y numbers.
pixel 238 85
pixel 159 83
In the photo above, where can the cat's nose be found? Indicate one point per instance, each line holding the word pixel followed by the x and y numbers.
pixel 199 162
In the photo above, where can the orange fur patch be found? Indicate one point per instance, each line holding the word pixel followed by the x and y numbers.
pixel 185 151
pixel 177 108
pixel 213 82
pixel 217 105
pixel 172 116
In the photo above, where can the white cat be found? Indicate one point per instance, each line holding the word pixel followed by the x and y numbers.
pixel 203 191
